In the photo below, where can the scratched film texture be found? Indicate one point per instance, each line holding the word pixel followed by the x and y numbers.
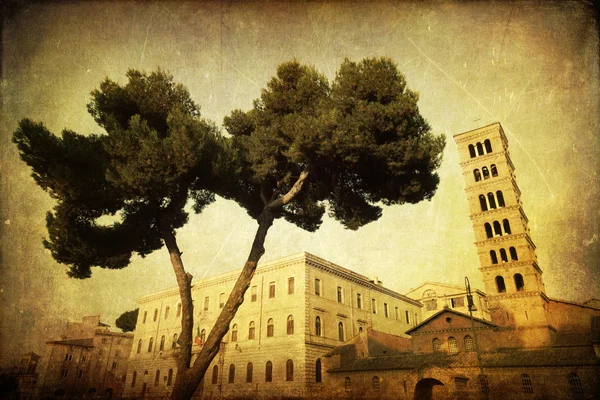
pixel 531 66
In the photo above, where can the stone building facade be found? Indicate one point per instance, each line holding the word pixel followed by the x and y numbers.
pixel 88 361
pixel 297 309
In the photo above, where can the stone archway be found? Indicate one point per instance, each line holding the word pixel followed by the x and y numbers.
pixel 430 389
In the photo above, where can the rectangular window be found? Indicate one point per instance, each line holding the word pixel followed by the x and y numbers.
pixel 358 300
pixel 458 302
pixel 206 303
pixel 253 293
pixel 340 294
pixel 407 319
pixel 416 320
pixel 83 358
pixel 291 287
pixel 272 290
pixel 221 300
pixel 145 316
pixel 397 314
pixel 80 373
pixel 374 306
pixel 114 365
pixel 317 287
pixel 385 310
pixel 64 372
pixel 155 315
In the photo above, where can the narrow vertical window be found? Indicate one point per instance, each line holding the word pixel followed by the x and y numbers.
pixel 494 170
pixel 452 345
pixel 500 284
pixel 270 327
pixel 150 345
pixel 157 377
pixel 479 149
pixel 253 294
pixel 206 303
pixel 215 375
pixel 497 228
pixel 133 378
pixel 485 172
pixel 170 377
pixel 488 231
pixel 221 300
pixel 472 151
pixel 526 382
pixel 347 385
pixel 145 316
pixel 436 344
pixel 234 331
pixel 203 336
pixel 374 306
pixel 488 146
pixel 155 315
pixel 162 343
pixel 358 300
pixel 500 198
pixel 340 295
pixel 174 343
pixel 513 253
pixel 231 373
pixel 289 370
pixel 503 255
pixel 318 370
pixel 397 314
pixel 318 326
pixel 506 226
pixel 493 257
pixel 385 310
pixel 519 283
pixel 269 372
pixel 249 370
pixel 477 175
pixel 469 343
pixel 272 290
pixel 139 348
pixel 492 200
pixel 251 330
pixel 341 331
pixel 483 203
pixel 317 287
pixel 178 310
pixel 291 287
pixel 167 309
pixel 376 384
pixel 290 325
pixel 407 317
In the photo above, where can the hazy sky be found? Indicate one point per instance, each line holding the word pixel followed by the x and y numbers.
pixel 531 66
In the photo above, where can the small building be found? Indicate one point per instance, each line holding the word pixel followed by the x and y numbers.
pixel 89 360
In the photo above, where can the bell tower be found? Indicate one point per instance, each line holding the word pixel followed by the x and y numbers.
pixel 513 280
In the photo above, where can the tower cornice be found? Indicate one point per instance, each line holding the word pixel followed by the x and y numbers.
pixel 499 210
pixel 505 238
pixel 513 264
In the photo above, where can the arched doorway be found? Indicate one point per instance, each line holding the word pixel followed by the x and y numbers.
pixel 430 389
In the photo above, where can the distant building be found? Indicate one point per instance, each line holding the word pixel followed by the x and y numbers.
pixel 89 360
pixel 532 347
pixel 297 309
pixel 437 296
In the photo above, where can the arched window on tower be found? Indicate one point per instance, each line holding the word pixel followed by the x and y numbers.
pixel 513 253
pixel 483 203
pixel 492 200
pixel 479 149
pixel 472 151
pixel 497 228
pixel 485 172
pixel 493 257
pixel 506 226
pixel 503 255
pixel 318 326
pixel 519 283
pixel 477 175
pixel 500 198
pixel 488 146
pixel 488 231
pixel 494 170
pixel 500 284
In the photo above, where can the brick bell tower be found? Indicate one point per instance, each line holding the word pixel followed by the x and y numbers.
pixel 513 280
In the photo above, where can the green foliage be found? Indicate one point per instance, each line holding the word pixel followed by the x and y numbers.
pixel 157 152
pixel 362 138
pixel 128 320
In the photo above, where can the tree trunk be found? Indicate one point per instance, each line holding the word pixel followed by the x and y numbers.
pixel 191 377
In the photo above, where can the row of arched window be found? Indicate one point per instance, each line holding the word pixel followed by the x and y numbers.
pixel 167 311
pixel 504 255
pixel 498 229
pixel 289 372
pixel 169 380
pixel 319 329
pixel 161 346
pixel 491 201
pixel 453 344
pixel 485 173
pixel 480 149
pixel 519 283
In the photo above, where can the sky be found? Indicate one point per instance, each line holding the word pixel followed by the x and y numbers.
pixel 531 66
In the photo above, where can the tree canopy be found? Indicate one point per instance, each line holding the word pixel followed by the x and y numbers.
pixel 128 320
pixel 361 139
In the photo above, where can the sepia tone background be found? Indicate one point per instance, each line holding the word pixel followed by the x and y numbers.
pixel 531 66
